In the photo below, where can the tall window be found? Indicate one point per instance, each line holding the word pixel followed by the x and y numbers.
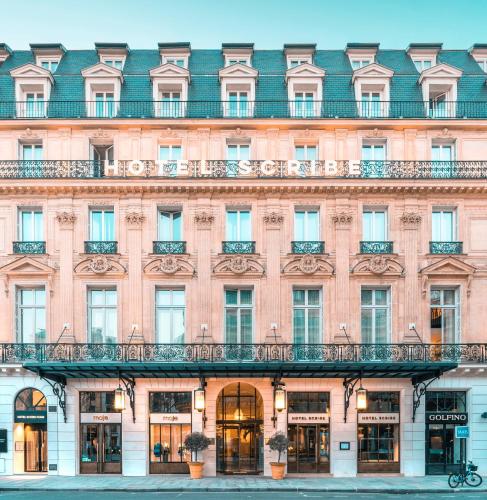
pixel 373 156
pixel 304 104
pixel 238 316
pixel 170 104
pixel 306 225
pixel 170 154
pixel 371 104
pixel 306 152
pixel 307 316
pixel 102 315
pixel 238 225
pixel 374 225
pixel 30 225
pixel 170 316
pixel 443 225
pixel 236 153
pixel 31 152
pixel 375 315
pixel 31 315
pixel 442 156
pixel 238 104
pixel 35 105
pixel 104 105
pixel 170 227
pixel 102 227
pixel 445 314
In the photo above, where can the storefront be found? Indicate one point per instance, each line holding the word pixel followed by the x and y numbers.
pixel 169 424
pixel 308 431
pixel 100 434
pixel 378 433
pixel 444 411
pixel 30 431
pixel 239 430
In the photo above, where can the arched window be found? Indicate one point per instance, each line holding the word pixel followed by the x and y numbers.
pixel 31 400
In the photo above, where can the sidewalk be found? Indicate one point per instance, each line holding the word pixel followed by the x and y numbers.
pixel 173 483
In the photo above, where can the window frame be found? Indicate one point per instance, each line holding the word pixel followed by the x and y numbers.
pixel 20 306
pixel 454 230
pixel 91 307
pixel 239 212
pixel 375 211
pixel 456 307
pixel 239 308
pixel 104 211
pixel 307 308
pixel 306 227
pixel 20 223
pixel 169 329
pixel 374 307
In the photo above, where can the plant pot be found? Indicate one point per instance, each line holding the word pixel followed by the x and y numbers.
pixel 278 469
pixel 196 469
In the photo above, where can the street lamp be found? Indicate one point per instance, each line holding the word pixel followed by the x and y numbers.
pixel 199 399
pixel 279 398
pixel 361 398
pixel 119 402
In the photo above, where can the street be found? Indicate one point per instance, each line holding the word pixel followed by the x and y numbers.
pixel 90 495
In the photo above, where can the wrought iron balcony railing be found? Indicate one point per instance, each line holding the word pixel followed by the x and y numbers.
pixel 253 169
pixel 261 353
pixel 376 246
pixel 309 110
pixel 238 246
pixel 31 247
pixel 446 247
pixel 106 247
pixel 168 247
pixel 300 247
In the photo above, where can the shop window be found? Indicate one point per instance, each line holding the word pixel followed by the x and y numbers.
pixel 170 402
pixel 308 402
pixel 446 401
pixel 382 402
pixel 97 402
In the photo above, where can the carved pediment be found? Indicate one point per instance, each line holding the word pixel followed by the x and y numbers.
pixel 26 267
pixel 101 70
pixel 373 70
pixel 449 267
pixel 308 264
pixel 100 265
pixel 169 70
pixel 170 264
pixel 378 264
pixel 442 70
pixel 238 71
pixel 30 70
pixel 240 265
pixel 305 70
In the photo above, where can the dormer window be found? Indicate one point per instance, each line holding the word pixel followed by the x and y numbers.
pixel 361 54
pixel 423 55
pixel 170 84
pixel 422 64
pixel 360 63
pixel 237 53
pixel 483 64
pixel 177 61
pixel 238 90
pixel 116 63
pixel 295 61
pixel 175 53
pixel 305 90
pixel 47 55
pixel 479 52
pixel 5 52
pixel 298 54
pixel 49 64
pixel 237 60
pixel 112 54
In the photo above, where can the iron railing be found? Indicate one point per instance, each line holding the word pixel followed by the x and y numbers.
pixel 31 247
pixel 100 247
pixel 245 109
pixel 252 169
pixel 376 246
pixel 168 247
pixel 238 246
pixel 446 247
pixel 304 247
pixel 264 353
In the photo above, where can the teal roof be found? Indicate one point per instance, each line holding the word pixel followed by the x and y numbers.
pixel 271 65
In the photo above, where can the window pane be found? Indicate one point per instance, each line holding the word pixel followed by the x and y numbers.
pixel 109 226
pixel 178 297
pixel 163 297
pixel 231 326
pixel 314 334
pixel 366 297
pixel 313 226
pixel 178 326
pixel 97 297
pixel 299 326
pixel 246 326
pixel 449 297
pixel 299 226
pixel 111 297
pixel 381 329
pixel 366 326
pixel 231 297
pixel 245 229
pixel 299 297
pixel 381 297
pixel 314 297
pixel 367 226
pixel 246 297
pixel 232 226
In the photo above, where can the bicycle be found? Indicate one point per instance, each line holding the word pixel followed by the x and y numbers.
pixel 467 475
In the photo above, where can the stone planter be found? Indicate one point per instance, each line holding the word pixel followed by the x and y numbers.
pixel 278 469
pixel 196 469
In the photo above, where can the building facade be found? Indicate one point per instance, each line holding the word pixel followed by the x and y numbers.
pixel 239 242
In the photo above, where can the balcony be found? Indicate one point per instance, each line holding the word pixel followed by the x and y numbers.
pixel 376 246
pixel 304 247
pixel 29 247
pixel 101 247
pixel 446 247
pixel 238 247
pixel 298 110
pixel 168 247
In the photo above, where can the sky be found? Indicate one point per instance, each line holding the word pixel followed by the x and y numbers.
pixel 268 23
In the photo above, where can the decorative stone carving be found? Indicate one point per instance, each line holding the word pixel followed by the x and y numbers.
pixel 378 264
pixel 273 219
pixel 99 264
pixel 135 218
pixel 204 219
pixel 308 264
pixel 448 267
pixel 170 264
pixel 411 220
pixel 342 218
pixel 239 264
pixel 29 134
pixel 66 218
pixel 27 267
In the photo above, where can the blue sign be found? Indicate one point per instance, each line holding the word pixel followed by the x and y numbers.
pixel 462 431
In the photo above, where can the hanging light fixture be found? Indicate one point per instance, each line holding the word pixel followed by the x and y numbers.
pixel 199 399
pixel 280 398
pixel 361 397
pixel 119 402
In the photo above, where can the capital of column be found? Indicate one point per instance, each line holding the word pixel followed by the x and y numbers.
pixel 134 219
pixel 204 219
pixel 66 219
pixel 411 220
pixel 342 219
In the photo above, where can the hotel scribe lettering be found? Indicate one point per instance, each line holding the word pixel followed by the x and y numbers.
pixel 181 168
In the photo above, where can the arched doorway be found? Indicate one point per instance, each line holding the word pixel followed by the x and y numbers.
pixel 239 430
pixel 30 431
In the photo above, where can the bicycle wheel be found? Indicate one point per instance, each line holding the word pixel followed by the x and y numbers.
pixel 473 479
pixel 453 480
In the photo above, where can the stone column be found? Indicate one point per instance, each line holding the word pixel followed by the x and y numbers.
pixel 410 223
pixel 343 221
pixel 273 220
pixel 134 220
pixel 203 220
pixel 66 220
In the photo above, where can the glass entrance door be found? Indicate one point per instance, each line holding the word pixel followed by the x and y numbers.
pixel 444 453
pixel 240 451
pixel 308 448
pixel 35 448
pixel 101 449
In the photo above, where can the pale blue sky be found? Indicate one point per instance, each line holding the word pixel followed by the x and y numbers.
pixel 267 23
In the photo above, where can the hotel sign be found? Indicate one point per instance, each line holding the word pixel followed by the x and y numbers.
pixel 170 418
pixel 232 168
pixel 308 418
pixel 30 417
pixel 378 418
pixel 100 418
pixel 447 418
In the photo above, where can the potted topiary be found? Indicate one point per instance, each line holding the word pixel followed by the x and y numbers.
pixel 195 442
pixel 278 442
